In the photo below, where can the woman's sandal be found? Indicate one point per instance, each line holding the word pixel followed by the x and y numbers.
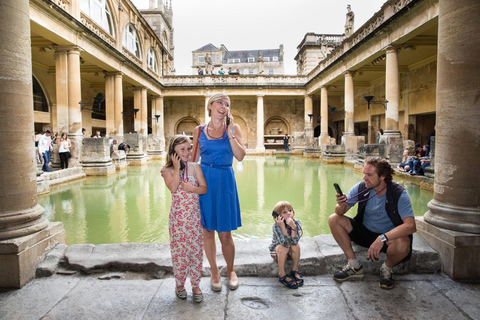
pixel 182 294
pixel 297 275
pixel 291 284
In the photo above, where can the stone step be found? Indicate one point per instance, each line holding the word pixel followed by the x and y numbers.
pixel 320 255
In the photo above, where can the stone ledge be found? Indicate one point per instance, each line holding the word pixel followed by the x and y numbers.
pixel 320 255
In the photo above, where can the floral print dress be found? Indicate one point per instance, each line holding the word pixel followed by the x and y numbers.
pixel 186 234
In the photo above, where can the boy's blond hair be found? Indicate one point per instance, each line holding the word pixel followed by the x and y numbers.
pixel 282 205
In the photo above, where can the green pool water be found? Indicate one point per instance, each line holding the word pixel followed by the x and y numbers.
pixel 133 205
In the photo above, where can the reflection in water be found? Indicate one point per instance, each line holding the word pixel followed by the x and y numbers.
pixel 133 205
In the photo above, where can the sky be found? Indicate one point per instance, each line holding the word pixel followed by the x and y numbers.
pixel 257 24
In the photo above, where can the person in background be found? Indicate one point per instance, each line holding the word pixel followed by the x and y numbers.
pixel 186 182
pixel 287 232
pixel 64 145
pixel 221 72
pixel 403 166
pixel 124 146
pixel 414 160
pixel 285 142
pixel 84 132
pixel 218 142
pixel 45 149
pixel 97 135
pixel 379 134
pixel 200 71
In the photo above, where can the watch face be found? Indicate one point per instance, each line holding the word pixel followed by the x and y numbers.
pixel 383 238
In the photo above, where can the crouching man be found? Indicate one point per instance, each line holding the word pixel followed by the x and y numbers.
pixel 384 222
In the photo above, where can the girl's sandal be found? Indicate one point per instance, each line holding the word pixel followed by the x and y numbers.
pixel 290 284
pixel 197 297
pixel 182 294
pixel 297 275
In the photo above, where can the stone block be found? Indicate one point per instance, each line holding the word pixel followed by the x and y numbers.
pixel 19 256
pixel 50 263
pixel 96 157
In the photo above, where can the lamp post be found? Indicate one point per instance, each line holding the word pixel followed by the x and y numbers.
pixel 370 101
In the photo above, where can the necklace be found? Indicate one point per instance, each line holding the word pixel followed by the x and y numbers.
pixel 217 138
pixel 184 174
pixel 368 191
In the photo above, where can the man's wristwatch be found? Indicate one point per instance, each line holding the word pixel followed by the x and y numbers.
pixel 383 237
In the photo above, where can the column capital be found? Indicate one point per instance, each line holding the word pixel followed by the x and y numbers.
pixel 260 95
pixel 391 49
pixel 113 73
pixel 349 74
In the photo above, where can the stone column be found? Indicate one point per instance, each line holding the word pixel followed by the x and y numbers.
pixel 308 122
pixel 161 122
pixel 207 117
pixel 392 137
pixel 74 110
pixel 118 106
pixel 137 104
pixel 61 88
pixel 452 225
pixel 260 121
pixel 144 113
pixel 25 235
pixel 110 104
pixel 349 140
pixel 324 138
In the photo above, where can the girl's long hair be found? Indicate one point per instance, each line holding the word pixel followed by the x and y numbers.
pixel 176 140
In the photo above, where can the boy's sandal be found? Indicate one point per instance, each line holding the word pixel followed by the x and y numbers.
pixel 291 284
pixel 197 297
pixel 181 294
pixel 297 275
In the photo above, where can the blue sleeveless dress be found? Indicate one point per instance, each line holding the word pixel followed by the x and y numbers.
pixel 219 207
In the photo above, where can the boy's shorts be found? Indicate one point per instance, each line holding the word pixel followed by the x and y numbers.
pixel 363 237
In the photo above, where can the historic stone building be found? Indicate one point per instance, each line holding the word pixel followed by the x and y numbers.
pixel 243 62
pixel 99 65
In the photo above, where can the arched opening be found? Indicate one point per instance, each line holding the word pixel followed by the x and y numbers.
pixel 39 99
pixel 186 126
pixel 274 130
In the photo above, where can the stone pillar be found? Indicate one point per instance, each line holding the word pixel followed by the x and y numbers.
pixel 25 235
pixel 308 121
pixel 324 138
pixel 118 105
pixel 207 117
pixel 110 104
pixel 260 121
pixel 161 122
pixel 392 137
pixel 153 140
pixel 452 225
pixel 137 142
pixel 137 104
pixel 74 110
pixel 144 113
pixel 61 88
pixel 349 140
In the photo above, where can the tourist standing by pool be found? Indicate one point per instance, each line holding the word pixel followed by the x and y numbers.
pixel 185 181
pixel 218 142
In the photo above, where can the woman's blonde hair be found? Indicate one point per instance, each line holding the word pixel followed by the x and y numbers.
pixel 281 205
pixel 214 98
pixel 176 140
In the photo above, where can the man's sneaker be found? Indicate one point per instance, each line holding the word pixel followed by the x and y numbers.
pixel 386 278
pixel 349 273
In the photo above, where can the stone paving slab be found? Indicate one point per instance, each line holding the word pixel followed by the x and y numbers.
pixel 430 296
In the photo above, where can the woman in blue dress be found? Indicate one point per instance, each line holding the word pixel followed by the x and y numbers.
pixel 218 142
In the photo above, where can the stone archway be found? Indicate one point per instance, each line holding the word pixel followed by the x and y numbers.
pixel 276 126
pixel 186 125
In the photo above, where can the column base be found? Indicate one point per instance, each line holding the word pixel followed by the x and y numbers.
pixel 260 149
pixel 350 143
pixel 20 256
pixel 324 140
pixel 394 141
pixel 459 251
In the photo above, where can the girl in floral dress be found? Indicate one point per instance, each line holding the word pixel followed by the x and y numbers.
pixel 186 182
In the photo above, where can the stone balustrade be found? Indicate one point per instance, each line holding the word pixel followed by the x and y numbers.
pixel 234 80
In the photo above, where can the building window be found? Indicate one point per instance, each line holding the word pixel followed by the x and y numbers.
pixel 274 58
pixel 212 56
pixel 251 59
pixel 236 60
pixel 201 59
pixel 230 60
pixel 152 60
pixel 270 72
pixel 39 99
pixel 266 59
pixel 250 71
pixel 130 41
pixel 98 107
pixel 99 12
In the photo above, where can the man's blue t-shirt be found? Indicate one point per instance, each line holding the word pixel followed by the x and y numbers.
pixel 376 218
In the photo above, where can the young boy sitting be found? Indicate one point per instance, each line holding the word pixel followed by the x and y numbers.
pixel 286 233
